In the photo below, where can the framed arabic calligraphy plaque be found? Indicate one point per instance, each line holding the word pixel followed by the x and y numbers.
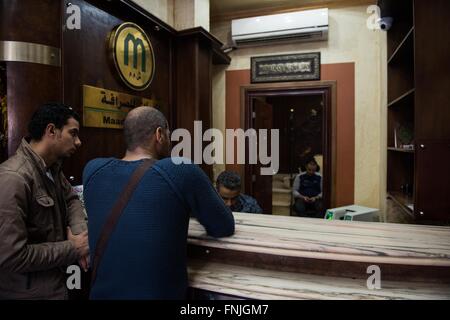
pixel 289 67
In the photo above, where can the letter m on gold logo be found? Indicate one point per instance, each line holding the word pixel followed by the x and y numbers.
pixel 136 43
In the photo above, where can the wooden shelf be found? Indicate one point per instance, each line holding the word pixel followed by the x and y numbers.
pixel 402 97
pixel 402 12
pixel 400 150
pixel 401 80
pixel 418 98
pixel 402 200
pixel 407 40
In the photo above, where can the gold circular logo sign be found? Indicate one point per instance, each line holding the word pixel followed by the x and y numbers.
pixel 133 55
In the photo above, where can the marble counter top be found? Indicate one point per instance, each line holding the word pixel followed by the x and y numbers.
pixel 414 259
pixel 262 284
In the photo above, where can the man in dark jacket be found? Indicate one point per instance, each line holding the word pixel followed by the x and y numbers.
pixel 42 225
pixel 307 191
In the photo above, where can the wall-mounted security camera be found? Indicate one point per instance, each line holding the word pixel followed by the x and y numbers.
pixel 385 23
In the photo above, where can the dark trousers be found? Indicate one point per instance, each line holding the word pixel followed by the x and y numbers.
pixel 309 209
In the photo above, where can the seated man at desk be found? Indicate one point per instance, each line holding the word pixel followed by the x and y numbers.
pixel 307 191
pixel 229 187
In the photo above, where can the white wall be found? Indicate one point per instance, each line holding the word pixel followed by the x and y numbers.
pixel 163 9
pixel 349 41
pixel 202 14
pixel 191 13
pixel 184 14
pixel 180 14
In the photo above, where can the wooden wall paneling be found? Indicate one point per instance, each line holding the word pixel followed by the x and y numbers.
pixel 186 84
pixel 281 122
pixel 205 63
pixel 432 171
pixel 86 62
pixel 31 21
pixel 29 85
pixel 400 114
pixel 260 185
pixel 403 13
pixel 400 75
pixel 194 83
pixel 234 80
pixel 432 81
pixel 417 75
pixel 205 83
pixel 401 171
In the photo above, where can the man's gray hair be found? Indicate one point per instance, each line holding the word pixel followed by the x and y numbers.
pixel 140 124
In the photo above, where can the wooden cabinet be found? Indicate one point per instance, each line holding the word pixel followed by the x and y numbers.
pixel 432 183
pixel 419 107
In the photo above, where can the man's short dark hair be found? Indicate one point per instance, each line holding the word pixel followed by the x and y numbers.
pixel 52 112
pixel 311 160
pixel 141 124
pixel 230 180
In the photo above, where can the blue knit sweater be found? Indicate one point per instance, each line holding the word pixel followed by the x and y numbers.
pixel 146 254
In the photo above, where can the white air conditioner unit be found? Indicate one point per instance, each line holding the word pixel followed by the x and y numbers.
pixel 309 25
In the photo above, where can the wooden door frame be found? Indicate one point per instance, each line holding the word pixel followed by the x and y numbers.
pixel 329 90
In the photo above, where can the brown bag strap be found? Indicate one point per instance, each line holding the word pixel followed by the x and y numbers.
pixel 115 214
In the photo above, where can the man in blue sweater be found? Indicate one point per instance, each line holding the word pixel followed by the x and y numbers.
pixel 145 257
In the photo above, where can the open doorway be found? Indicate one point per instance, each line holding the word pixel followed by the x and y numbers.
pixel 303 113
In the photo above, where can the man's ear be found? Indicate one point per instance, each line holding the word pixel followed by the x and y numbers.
pixel 50 130
pixel 159 134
